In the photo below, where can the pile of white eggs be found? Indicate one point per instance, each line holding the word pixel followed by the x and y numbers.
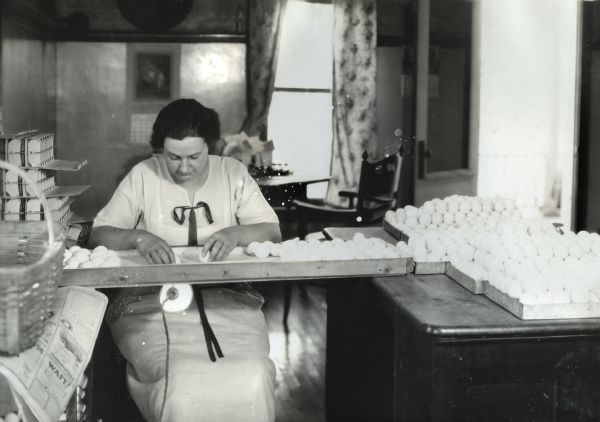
pixel 360 247
pixel 453 211
pixel 540 265
pixel 100 257
pixel 529 260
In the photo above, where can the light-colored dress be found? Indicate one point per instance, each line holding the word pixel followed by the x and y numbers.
pixel 238 387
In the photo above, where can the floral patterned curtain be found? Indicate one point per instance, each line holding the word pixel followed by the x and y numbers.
pixel 264 23
pixel 354 67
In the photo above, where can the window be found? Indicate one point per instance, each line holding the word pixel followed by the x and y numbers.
pixel 300 117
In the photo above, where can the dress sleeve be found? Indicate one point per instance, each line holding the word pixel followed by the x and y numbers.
pixel 252 207
pixel 125 207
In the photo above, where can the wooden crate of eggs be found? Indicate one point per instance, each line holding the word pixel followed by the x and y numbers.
pixel 526 266
pixel 34 152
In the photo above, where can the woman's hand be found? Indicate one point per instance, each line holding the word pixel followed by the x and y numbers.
pixel 220 244
pixel 153 248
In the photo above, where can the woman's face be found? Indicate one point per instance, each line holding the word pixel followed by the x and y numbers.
pixel 187 158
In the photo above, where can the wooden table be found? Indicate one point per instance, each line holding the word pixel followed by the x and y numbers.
pixel 422 348
pixel 280 191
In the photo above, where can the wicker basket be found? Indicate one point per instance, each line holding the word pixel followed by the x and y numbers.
pixel 31 254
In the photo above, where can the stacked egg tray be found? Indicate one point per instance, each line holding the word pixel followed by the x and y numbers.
pixel 532 268
pixel 34 152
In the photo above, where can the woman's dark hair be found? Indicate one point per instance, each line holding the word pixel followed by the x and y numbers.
pixel 182 118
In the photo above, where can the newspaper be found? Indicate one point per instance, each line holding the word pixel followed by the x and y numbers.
pixel 44 377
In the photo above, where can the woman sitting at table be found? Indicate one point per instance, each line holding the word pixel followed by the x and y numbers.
pixel 184 196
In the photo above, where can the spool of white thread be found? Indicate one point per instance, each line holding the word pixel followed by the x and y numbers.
pixel 176 297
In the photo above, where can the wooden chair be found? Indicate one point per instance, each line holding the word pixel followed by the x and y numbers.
pixel 376 194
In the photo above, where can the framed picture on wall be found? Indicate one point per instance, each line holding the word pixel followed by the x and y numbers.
pixel 152 82
pixel 153 73
pixel 152 76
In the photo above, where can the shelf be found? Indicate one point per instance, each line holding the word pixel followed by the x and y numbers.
pixel 55 192
pixel 60 165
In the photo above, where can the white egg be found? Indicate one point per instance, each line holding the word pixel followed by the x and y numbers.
pixel 579 296
pixel 100 248
pixel 262 251
pixel 86 264
pixel 411 211
pixel 475 205
pixel 465 206
pixel 437 218
pixel 596 249
pixel 509 204
pixel 453 207
pixel 72 263
pixel 11 417
pixel 479 256
pixel 251 248
pixel 575 250
pixel 276 248
pixel 400 215
pixel 487 206
pixel 425 219
pixel 82 254
pixel 466 252
pixel 514 289
pixel 460 217
pixel 204 258
pixel 358 236
pixel 390 216
pixel 545 251
pixel 74 248
pixel 448 218
pixel 417 241
pixel 428 207
pixel 498 205
pixel 441 207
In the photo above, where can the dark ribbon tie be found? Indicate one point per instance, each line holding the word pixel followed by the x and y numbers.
pixel 179 217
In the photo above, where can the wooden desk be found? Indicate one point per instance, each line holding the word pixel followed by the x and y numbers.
pixel 422 348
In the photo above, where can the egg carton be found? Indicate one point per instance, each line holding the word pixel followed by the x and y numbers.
pixel 30 209
pixel 27 149
pixel 14 187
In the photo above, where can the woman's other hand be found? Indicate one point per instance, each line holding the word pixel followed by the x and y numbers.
pixel 220 244
pixel 154 249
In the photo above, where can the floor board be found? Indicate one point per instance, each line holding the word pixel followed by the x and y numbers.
pixel 299 356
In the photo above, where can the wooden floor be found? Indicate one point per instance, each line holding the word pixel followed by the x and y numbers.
pixel 300 355
pixel 299 358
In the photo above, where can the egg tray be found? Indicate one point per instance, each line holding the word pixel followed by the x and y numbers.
pixel 398 234
pixel 427 268
pixel 542 311
pixel 237 267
